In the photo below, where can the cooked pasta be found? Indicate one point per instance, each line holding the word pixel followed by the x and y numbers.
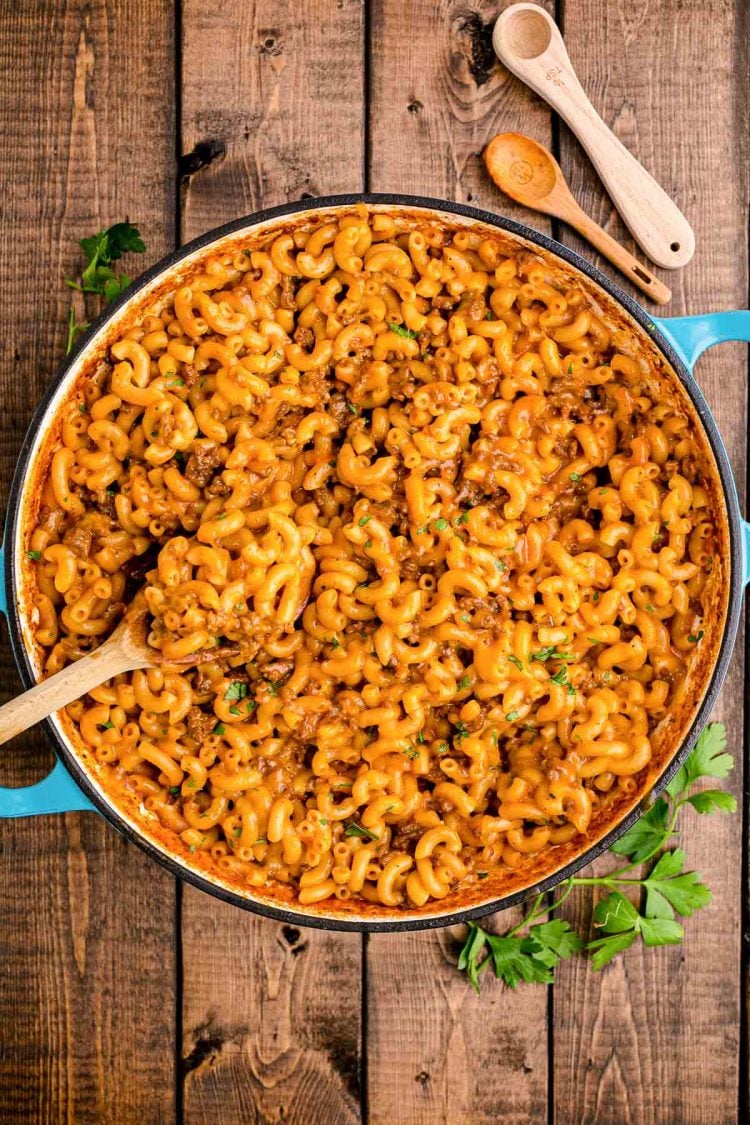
pixel 461 529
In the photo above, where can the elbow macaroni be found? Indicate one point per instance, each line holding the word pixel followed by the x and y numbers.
pixel 461 536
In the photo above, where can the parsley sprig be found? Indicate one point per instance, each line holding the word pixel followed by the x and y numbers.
pixel 532 949
pixel 100 251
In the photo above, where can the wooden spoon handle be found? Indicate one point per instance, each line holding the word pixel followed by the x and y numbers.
pixel 62 688
pixel 528 41
pixel 634 270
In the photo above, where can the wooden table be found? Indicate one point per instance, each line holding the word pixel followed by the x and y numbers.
pixel 128 998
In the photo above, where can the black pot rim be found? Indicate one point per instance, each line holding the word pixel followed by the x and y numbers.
pixel 299 917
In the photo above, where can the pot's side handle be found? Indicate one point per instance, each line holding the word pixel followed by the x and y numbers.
pixel 690 336
pixel 57 793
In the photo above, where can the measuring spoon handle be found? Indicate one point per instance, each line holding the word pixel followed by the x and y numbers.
pixel 528 42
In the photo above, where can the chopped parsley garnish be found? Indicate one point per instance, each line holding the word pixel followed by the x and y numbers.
pixel 518 663
pixel 440 524
pixel 695 637
pixel 551 652
pixel 575 477
pixel 464 682
pixel 401 330
pixel 354 829
pixel 35 555
pixel 364 520
pixel 512 716
pixel 462 731
pixel 106 726
pixel 219 729
pixel 236 690
pixel 560 677
pixel 411 752
pixel 354 409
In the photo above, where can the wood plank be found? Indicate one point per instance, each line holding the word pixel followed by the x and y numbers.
pixel 86 921
pixel 436 1050
pixel 271 1014
pixel 655 1037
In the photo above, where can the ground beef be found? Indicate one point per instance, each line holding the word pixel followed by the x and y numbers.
pixel 79 539
pixel 305 337
pixel 188 373
pixel 105 503
pixel 286 300
pixel 405 835
pixel 218 487
pixel 203 684
pixel 202 463
pixel 199 724
pixel 278 669
pixel 338 408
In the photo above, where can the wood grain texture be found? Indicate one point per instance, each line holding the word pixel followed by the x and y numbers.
pixel 435 1050
pixel 86 921
pixel 272 106
pixel 655 1038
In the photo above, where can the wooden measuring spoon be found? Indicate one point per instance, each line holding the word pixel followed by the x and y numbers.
pixel 529 173
pixel 126 650
pixel 528 41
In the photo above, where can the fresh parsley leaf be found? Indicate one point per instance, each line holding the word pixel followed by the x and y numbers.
pixel 615 913
pixel 440 524
pixel 73 329
pixel 106 726
pixel 515 959
pixel 603 950
pixel 364 520
pixel 647 834
pixel 512 716
pixel 558 936
pixel 518 957
pixel 695 637
pixel 681 890
pixel 219 729
pixel 713 800
pixel 35 555
pixel 707 759
pixel 575 477
pixel 518 663
pixel 468 958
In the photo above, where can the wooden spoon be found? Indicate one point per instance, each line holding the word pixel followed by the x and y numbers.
pixel 528 41
pixel 126 650
pixel 529 173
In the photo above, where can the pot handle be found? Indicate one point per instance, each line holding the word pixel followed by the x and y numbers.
pixel 57 792
pixel 690 336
